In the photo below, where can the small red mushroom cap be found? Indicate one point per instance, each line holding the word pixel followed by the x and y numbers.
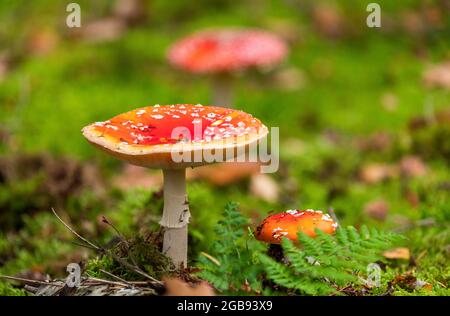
pixel 226 50
pixel 289 223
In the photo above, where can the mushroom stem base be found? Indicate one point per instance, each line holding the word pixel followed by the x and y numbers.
pixel 175 217
pixel 175 245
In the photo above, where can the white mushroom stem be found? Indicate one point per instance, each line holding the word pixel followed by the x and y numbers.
pixel 223 90
pixel 175 216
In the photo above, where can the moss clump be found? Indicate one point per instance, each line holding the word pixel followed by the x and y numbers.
pixel 137 252
pixel 7 289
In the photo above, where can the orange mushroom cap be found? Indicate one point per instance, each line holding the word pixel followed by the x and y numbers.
pixel 289 223
pixel 148 136
pixel 224 50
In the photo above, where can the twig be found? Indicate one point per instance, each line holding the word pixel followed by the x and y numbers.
pixel 115 277
pixel 102 281
pixel 75 233
pixel 426 222
pixel 122 239
pixel 82 245
pixel 107 222
pixel 134 268
pixel 140 282
pixel 7 277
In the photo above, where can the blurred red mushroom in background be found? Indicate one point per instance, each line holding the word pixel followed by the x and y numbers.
pixel 220 52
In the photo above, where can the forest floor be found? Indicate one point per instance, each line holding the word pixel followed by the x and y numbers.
pixel 364 131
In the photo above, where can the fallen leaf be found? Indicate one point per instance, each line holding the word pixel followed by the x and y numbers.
pixel 376 172
pixel 412 198
pixel 405 281
pixel 412 166
pixel 290 31
pixel 421 122
pixel 289 79
pixel 377 209
pixel 35 272
pixel 5 63
pixel 41 42
pixel 264 187
pixel 389 101
pixel 438 76
pixel 397 253
pixel 433 16
pixel 133 12
pixel 5 135
pixel 224 173
pixel 413 23
pixel 378 141
pixel 176 287
pixel 409 282
pixel 133 177
pixel 328 20
pixel 104 30
pixel 425 285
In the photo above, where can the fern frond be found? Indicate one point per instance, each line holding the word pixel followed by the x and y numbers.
pixel 321 264
pixel 236 254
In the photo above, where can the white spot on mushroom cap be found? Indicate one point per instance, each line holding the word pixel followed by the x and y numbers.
pixel 112 127
pixel 327 218
pixel 140 112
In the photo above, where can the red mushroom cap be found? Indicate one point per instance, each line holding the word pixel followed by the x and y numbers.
pixel 146 136
pixel 227 50
pixel 289 223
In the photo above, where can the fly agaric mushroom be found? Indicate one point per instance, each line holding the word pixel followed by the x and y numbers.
pixel 221 52
pixel 149 137
pixel 289 223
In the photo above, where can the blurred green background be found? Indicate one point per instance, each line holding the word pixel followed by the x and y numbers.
pixel 363 115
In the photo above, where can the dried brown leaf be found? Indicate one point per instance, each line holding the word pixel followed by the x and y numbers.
pixel 377 209
pixel 328 20
pixel 264 187
pixel 438 76
pixel 42 42
pixel 376 172
pixel 389 101
pixel 397 253
pixel 224 173
pixel 289 79
pixel 133 177
pixel 104 30
pixel 412 166
pixel 131 11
